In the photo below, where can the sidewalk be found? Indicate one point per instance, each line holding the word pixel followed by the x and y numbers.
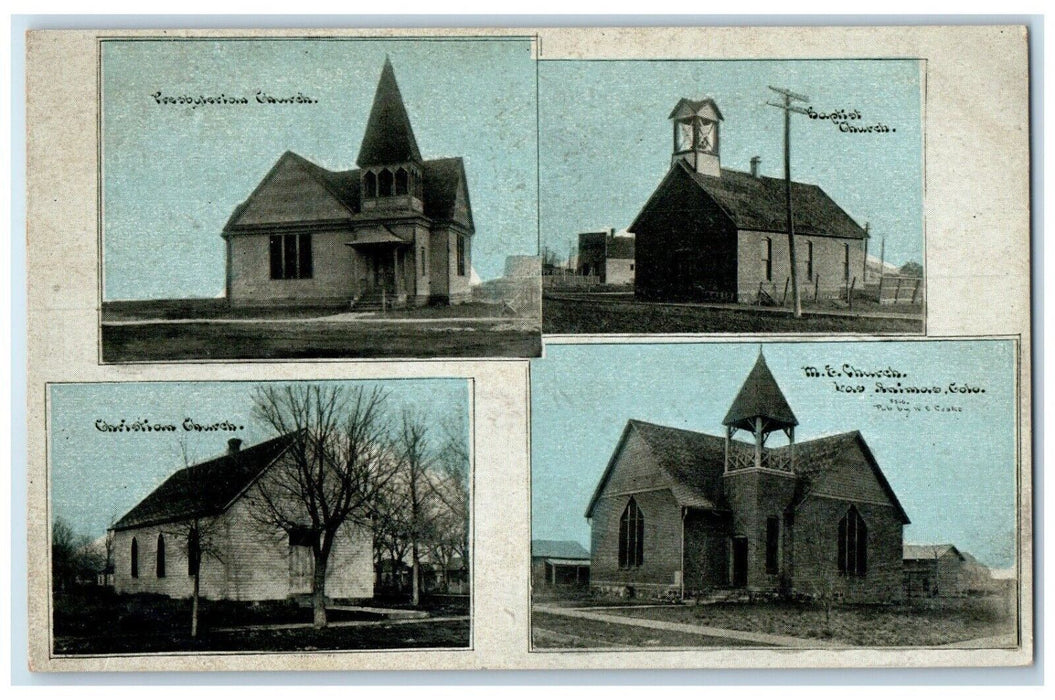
pixel 702 630
pixel 347 623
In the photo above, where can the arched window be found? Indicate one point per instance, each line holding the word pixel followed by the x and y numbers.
pixel 384 183
pixel 631 536
pixel 161 556
pixel 402 181
pixel 853 544
pixel 135 558
pixel 369 184
pixel 193 552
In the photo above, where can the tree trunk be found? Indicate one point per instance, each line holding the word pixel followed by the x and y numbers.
pixel 318 591
pixel 415 576
pixel 194 607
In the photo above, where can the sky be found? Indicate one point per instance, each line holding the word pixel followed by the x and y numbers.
pixel 953 472
pixel 172 174
pixel 606 142
pixel 96 476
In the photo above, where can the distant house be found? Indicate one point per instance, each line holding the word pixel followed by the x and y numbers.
pixel 943 570
pixel 607 256
pixel 708 232
pixel 398 229
pixel 559 563
pixel 154 552
pixel 681 513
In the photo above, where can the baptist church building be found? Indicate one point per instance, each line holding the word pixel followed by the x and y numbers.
pixel 396 231
pixel 680 513
pixel 711 233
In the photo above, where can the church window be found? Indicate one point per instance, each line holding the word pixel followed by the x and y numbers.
pixel 767 258
pixel 370 184
pixel 631 536
pixel 161 556
pixel 853 544
pixel 402 181
pixel 846 262
pixel 421 252
pixel 772 545
pixel 135 558
pixel 809 260
pixel 291 256
pixel 384 183
pixel 461 256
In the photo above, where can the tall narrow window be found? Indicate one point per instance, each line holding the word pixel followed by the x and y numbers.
pixel 161 556
pixel 369 184
pixel 461 256
pixel 291 256
pixel 402 181
pixel 772 545
pixel 846 262
pixel 422 254
pixel 767 257
pixel 853 544
pixel 384 183
pixel 135 559
pixel 631 536
pixel 809 260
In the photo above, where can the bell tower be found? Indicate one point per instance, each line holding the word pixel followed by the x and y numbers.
pixel 761 409
pixel 696 126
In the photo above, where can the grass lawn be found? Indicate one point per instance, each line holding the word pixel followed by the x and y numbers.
pixel 175 309
pixel 616 315
pixel 930 622
pixel 559 632
pixel 102 622
pixel 316 339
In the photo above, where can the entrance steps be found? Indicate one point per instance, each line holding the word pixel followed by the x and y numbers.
pixel 372 302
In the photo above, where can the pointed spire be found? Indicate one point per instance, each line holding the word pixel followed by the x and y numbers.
pixel 760 397
pixel 389 138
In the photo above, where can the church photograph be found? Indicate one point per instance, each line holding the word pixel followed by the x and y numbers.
pixel 264 517
pixel 753 500
pixel 752 207
pixel 373 211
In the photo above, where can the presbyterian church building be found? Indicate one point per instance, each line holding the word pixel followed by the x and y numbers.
pixel 711 233
pixel 682 513
pixel 396 231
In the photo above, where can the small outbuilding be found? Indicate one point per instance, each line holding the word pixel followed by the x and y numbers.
pixel 559 563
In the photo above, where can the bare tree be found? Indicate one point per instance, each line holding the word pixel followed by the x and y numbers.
pixel 450 485
pixel 332 473
pixel 415 459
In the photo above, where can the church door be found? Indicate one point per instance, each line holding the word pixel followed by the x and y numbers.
pixel 739 562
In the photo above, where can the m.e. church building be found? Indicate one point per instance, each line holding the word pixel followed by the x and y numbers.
pixel 397 230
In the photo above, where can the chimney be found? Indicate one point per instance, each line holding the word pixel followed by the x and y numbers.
pixel 234 446
pixel 754 166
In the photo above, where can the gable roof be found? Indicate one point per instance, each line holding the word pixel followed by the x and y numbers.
pixel 760 396
pixel 389 137
pixel 444 178
pixel 558 549
pixel 685 106
pixel 757 203
pixel 917 552
pixel 693 462
pixel 825 461
pixel 206 488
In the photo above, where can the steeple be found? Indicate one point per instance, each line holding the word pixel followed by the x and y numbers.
pixel 760 408
pixel 696 125
pixel 389 138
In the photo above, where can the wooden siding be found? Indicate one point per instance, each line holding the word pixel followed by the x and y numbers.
pixel 333 278
pixel 755 496
pixel 662 541
pixel 706 552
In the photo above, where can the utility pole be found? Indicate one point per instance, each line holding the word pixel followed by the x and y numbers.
pixel 788 108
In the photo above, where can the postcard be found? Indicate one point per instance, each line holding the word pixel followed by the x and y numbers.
pixel 509 348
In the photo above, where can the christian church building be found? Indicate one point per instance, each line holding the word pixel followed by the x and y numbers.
pixel 712 233
pixel 683 513
pixel 398 229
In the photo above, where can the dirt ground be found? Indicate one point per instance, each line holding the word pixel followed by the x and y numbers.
pixel 620 314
